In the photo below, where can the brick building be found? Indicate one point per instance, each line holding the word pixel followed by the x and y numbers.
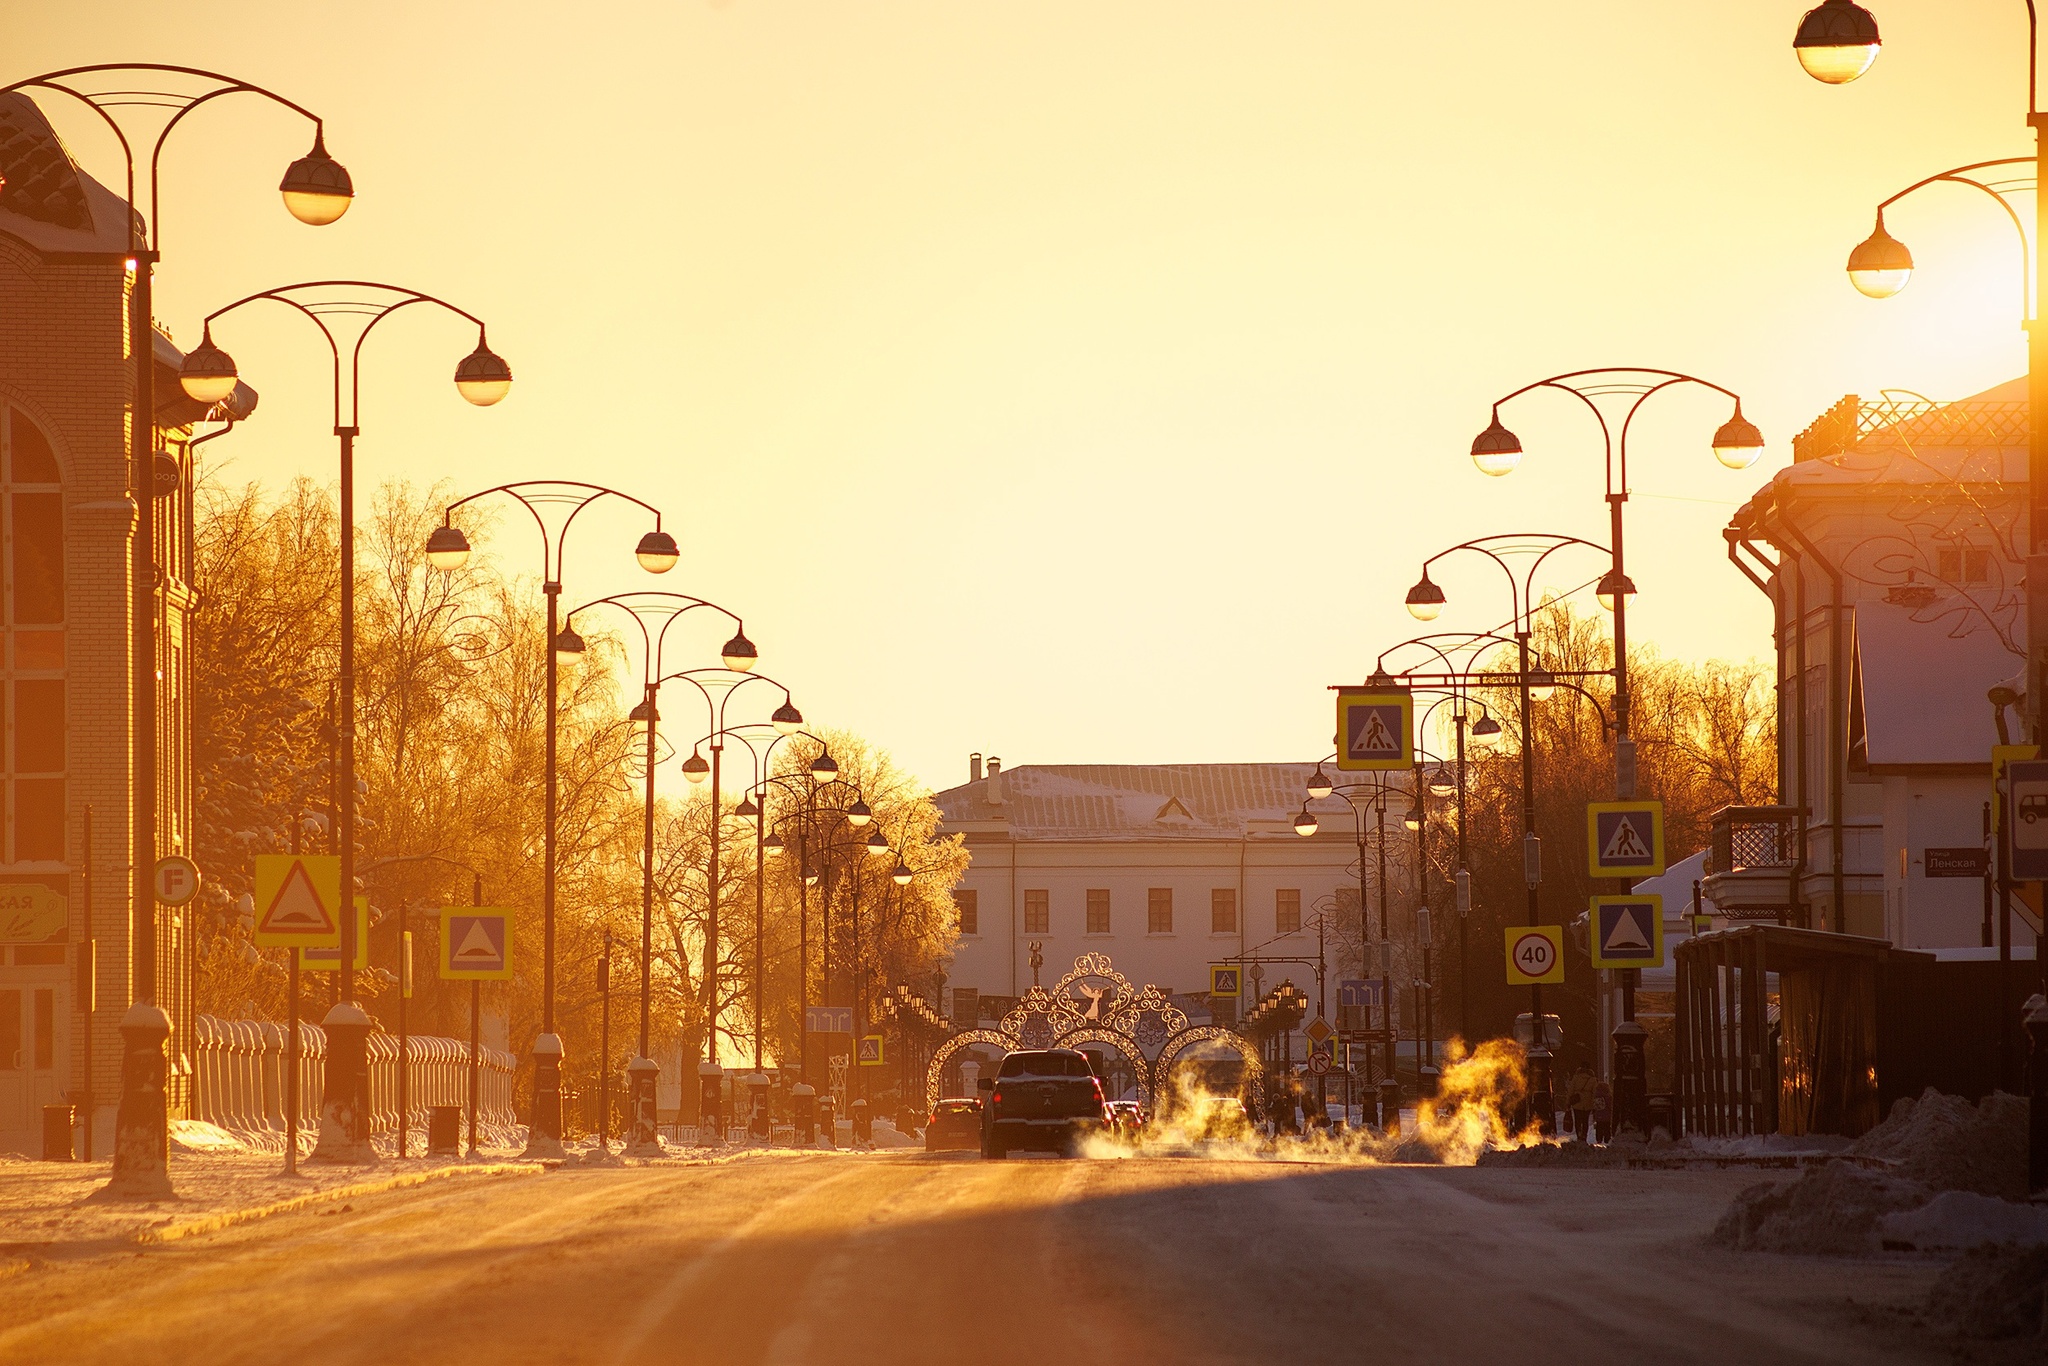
pixel 66 519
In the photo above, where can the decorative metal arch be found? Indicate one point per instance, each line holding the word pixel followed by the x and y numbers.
pixel 1141 1023
pixel 1255 1071
pixel 957 1043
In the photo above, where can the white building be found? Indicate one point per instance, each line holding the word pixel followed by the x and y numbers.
pixel 1168 869
pixel 1890 553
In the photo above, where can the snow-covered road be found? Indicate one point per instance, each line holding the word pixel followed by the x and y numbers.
pixel 903 1259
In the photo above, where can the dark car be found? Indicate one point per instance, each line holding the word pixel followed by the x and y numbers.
pixel 1127 1119
pixel 1047 1099
pixel 954 1124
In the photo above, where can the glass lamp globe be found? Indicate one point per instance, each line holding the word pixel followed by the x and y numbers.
pixel 695 768
pixel 1486 731
pixel 1425 599
pixel 1737 442
pixel 739 653
pixel 1613 586
pixel 1319 785
pixel 657 552
pixel 859 814
pixel 208 374
pixel 1305 824
pixel 1496 451
pixel 316 188
pixel 1880 266
pixel 824 768
pixel 787 719
pixel 1837 41
pixel 483 377
pixel 447 549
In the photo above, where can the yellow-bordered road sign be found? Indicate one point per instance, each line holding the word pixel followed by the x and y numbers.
pixel 1624 839
pixel 476 944
pixel 1627 931
pixel 1224 979
pixel 329 958
pixel 871 1050
pixel 297 897
pixel 1375 730
pixel 175 880
pixel 1535 955
pixel 2001 755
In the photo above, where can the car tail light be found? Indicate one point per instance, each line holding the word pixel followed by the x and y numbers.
pixel 996 1097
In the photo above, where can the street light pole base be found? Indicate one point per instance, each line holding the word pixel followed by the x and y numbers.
pixel 544 1130
pixel 344 1101
pixel 142 1124
pixel 1631 1098
pixel 643 1133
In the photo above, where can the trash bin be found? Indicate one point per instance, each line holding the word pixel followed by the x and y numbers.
pixel 57 1124
pixel 444 1130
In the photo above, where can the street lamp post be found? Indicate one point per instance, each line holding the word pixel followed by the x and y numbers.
pixel 1497 451
pixel 821 773
pixel 346 312
pixel 554 506
pixel 1425 601
pixel 654 613
pixel 316 191
pixel 1837 42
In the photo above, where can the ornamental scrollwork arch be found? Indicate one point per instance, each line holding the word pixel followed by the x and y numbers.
pixel 965 1039
pixel 1254 1070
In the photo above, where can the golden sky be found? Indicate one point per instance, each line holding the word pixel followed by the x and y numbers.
pixel 1082 382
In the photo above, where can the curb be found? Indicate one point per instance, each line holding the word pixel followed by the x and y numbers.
pixel 214 1223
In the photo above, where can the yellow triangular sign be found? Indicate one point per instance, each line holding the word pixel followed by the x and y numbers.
pixel 297 908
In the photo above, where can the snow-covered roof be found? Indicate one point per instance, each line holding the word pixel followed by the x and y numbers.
pixel 1923 687
pixel 1139 801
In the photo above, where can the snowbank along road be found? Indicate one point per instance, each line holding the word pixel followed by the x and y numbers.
pixel 904 1259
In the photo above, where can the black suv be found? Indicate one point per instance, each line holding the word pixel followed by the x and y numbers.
pixel 1043 1098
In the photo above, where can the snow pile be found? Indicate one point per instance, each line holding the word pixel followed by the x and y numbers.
pixel 197 1136
pixel 1961 1219
pixel 886 1135
pixel 1569 1156
pixel 1947 1144
pixel 1993 1292
pixel 1834 1208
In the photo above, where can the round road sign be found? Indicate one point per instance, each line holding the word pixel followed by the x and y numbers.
pixel 1318 1063
pixel 1535 955
pixel 176 880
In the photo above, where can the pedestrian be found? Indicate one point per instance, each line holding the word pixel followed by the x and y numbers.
pixel 1603 1112
pixel 1579 1099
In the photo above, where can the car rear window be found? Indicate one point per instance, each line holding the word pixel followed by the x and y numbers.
pixel 1045 1064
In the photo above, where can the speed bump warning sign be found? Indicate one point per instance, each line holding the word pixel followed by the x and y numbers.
pixel 476 944
pixel 1625 839
pixel 1628 931
pixel 1535 955
pixel 297 896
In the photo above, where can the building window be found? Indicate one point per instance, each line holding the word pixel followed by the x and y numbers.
pixel 1963 564
pixel 1037 913
pixel 1223 910
pixel 1159 910
pixel 967 910
pixel 1098 910
pixel 32 685
pixel 1287 911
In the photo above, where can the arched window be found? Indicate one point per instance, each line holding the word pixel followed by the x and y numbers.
pixel 32 587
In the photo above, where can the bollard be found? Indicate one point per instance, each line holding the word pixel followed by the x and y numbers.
pixel 1390 1106
pixel 1630 1098
pixel 643 1133
pixel 803 1103
pixel 863 1127
pixel 757 1117
pixel 444 1130
pixel 710 1104
pixel 828 1121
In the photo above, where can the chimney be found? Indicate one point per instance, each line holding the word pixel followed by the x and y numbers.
pixel 994 794
pixel 974 767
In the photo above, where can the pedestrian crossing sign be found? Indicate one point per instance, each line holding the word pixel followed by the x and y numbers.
pixel 1628 931
pixel 296 899
pixel 1223 979
pixel 870 1050
pixel 1375 730
pixel 476 944
pixel 1625 839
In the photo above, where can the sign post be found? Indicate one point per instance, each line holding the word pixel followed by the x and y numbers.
pixel 476 947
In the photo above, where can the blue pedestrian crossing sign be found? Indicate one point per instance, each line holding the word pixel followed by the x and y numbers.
pixel 1375 730
pixel 1223 979
pixel 1625 839
pixel 870 1050
pixel 1628 931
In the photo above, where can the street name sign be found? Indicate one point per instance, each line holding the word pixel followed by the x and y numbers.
pixel 1628 931
pixel 298 898
pixel 870 1050
pixel 2026 784
pixel 1375 730
pixel 1963 862
pixel 476 944
pixel 828 1019
pixel 1535 955
pixel 328 958
pixel 1624 839
pixel 1224 979
pixel 175 880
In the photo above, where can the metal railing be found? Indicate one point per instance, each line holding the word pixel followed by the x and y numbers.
pixel 1753 837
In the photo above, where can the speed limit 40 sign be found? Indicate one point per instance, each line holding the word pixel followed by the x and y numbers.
pixel 1535 955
